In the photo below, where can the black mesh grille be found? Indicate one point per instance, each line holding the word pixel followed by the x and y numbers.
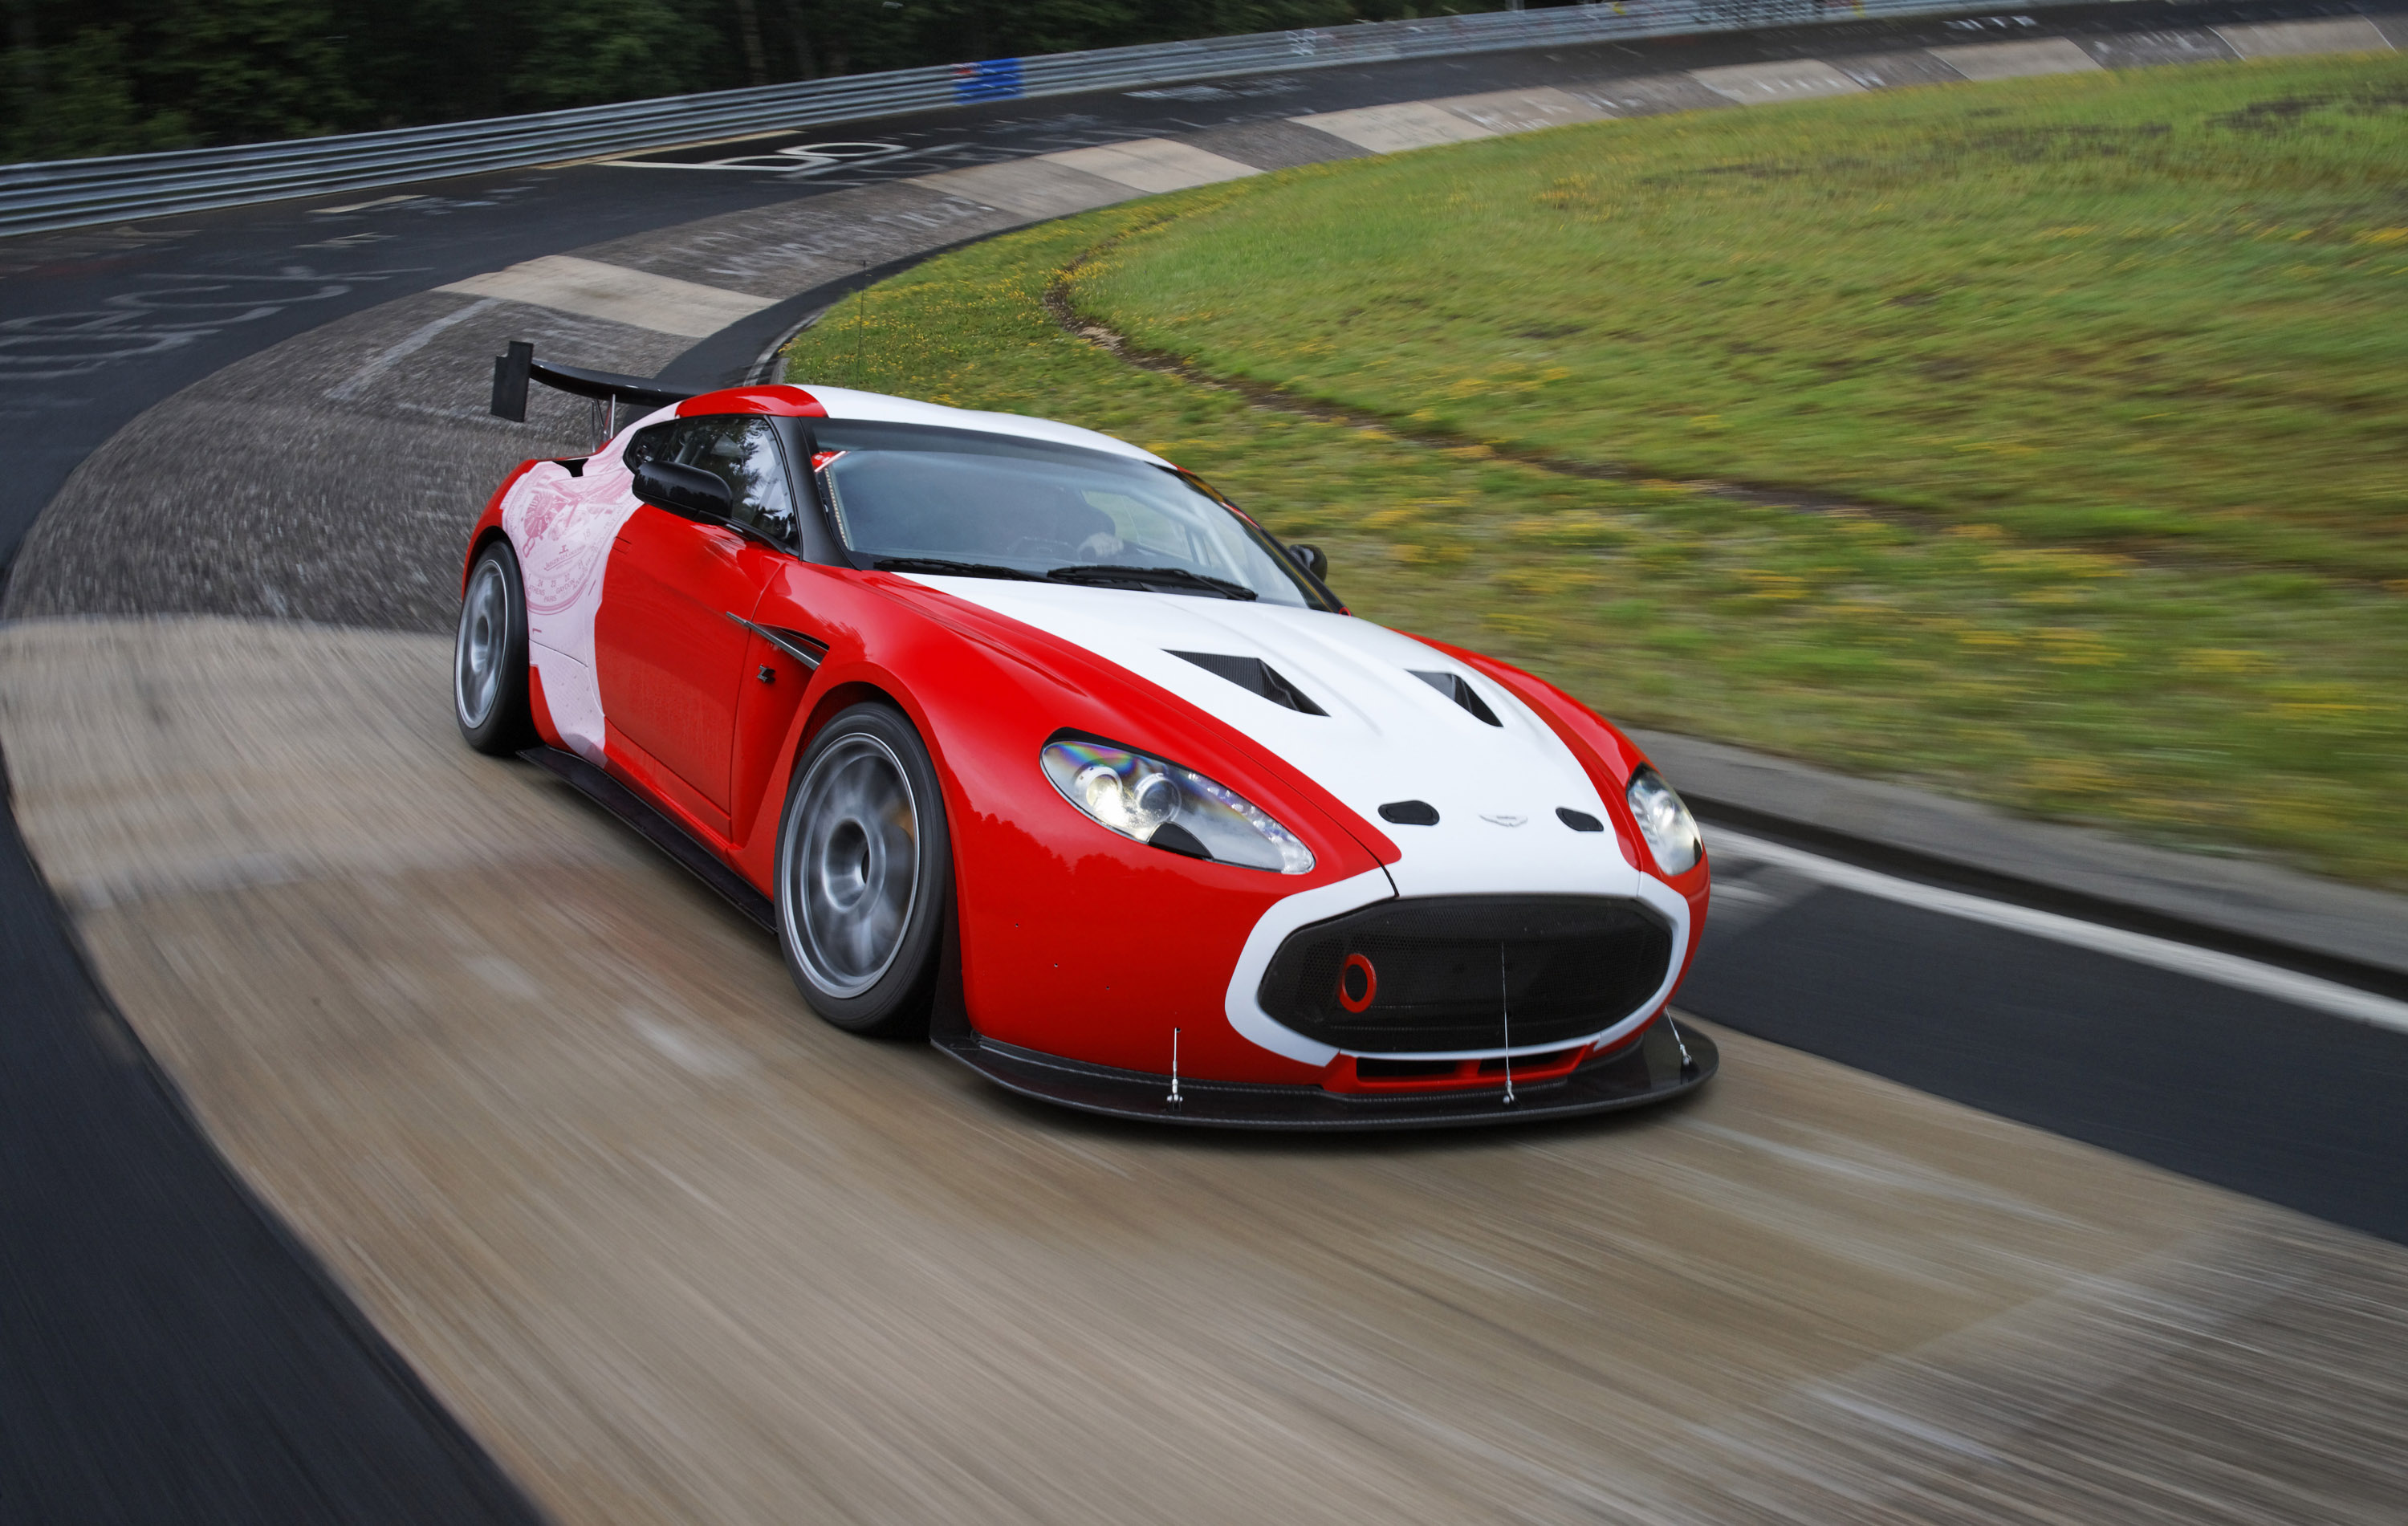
pixel 1444 967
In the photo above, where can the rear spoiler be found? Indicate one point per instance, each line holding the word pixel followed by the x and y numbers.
pixel 517 366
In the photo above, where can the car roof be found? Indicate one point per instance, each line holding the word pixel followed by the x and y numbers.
pixel 877 407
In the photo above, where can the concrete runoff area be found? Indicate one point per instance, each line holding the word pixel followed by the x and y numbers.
pixel 2017 60
pixel 1521 110
pixel 2147 50
pixel 1274 145
pixel 1393 129
pixel 1794 79
pixel 1153 165
pixel 1895 70
pixel 776 251
pixel 590 289
pixel 2296 39
pixel 1033 188
pixel 675 1250
pixel 1650 95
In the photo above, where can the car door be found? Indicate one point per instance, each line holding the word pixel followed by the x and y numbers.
pixel 670 654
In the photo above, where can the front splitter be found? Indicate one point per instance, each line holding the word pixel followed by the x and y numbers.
pixel 1664 1064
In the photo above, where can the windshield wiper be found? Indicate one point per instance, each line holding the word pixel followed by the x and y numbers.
pixel 939 567
pixel 1146 577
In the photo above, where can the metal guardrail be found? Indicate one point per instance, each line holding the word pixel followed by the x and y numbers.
pixel 75 193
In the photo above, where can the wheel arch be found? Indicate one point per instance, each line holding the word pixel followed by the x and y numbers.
pixel 488 523
pixel 843 697
pixel 483 538
pixel 759 850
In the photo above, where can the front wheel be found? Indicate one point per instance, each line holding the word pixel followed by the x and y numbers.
pixel 489 657
pixel 865 869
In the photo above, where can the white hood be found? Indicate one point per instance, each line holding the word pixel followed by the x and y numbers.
pixel 1388 736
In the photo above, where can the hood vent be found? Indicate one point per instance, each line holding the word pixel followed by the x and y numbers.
pixel 1457 688
pixel 1255 676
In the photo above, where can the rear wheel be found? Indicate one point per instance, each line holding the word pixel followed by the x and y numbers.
pixel 489 657
pixel 865 870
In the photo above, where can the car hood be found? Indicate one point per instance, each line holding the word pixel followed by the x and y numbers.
pixel 1387 734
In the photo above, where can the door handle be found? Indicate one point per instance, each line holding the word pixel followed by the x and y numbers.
pixel 793 643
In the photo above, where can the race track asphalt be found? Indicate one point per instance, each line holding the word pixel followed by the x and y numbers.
pixel 167 1350
pixel 674 1251
pixel 2296 1106
pixel 170 1351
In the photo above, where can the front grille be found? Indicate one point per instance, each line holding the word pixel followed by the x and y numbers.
pixel 1445 971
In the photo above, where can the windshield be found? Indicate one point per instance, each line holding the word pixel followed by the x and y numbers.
pixel 992 506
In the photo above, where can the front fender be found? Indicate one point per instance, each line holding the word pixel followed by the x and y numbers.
pixel 1075 941
pixel 489 524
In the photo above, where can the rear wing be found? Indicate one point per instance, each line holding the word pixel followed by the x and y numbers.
pixel 516 367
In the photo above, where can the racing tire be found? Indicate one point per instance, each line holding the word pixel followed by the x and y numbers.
pixel 489 657
pixel 864 874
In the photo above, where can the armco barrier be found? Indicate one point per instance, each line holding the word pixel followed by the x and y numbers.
pixel 73 193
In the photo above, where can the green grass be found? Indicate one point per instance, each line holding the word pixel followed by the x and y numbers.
pixel 2238 681
pixel 2164 310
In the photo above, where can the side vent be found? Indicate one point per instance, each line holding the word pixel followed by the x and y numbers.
pixel 1410 813
pixel 1255 676
pixel 1454 688
pixel 1579 821
pixel 808 650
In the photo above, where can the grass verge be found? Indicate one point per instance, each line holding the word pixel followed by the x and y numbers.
pixel 2156 310
pixel 2203 672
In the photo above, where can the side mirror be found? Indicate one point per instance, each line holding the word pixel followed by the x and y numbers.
pixel 1311 558
pixel 688 492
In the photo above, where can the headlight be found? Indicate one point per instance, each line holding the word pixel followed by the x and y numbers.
pixel 1170 807
pixel 1670 831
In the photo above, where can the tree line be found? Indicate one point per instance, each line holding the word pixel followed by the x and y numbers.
pixel 90 77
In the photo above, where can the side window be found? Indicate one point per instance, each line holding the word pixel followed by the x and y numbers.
pixel 742 452
pixel 647 444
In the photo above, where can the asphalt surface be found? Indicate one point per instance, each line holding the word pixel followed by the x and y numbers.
pixel 167 1350
pixel 2292 1105
pixel 170 1353
pixel 677 1252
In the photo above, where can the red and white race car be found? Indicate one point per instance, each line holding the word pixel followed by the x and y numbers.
pixel 1021 737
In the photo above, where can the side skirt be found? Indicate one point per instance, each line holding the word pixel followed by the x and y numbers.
pixel 656 828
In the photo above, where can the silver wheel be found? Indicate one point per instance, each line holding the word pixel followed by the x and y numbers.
pixel 853 872
pixel 483 645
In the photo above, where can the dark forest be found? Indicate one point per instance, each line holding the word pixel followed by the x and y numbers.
pixel 88 77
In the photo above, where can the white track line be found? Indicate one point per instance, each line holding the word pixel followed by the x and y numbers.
pixel 2182 958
